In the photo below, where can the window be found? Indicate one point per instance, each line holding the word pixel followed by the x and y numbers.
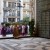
pixel 4 20
pixel 4 3
pixel 18 8
pixel 6 13
pixel 18 19
pixel 18 13
pixel 14 13
pixel 9 4
pixel 18 4
pixel 24 5
pixel 11 19
pixel 18 0
pixel 13 5
pixel 10 12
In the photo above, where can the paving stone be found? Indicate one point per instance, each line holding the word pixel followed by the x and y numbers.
pixel 25 44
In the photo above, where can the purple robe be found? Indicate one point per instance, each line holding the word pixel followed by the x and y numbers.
pixel 26 30
pixel 3 31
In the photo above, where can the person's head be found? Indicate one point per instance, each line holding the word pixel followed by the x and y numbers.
pixel 17 25
pixel 3 25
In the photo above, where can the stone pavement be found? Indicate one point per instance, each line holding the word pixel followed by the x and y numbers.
pixel 8 36
pixel 25 44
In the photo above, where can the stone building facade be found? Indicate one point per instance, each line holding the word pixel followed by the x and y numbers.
pixel 33 10
pixel 43 17
pixel 1 11
pixel 12 10
pixel 26 8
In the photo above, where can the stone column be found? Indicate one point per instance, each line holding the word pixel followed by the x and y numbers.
pixel 15 19
pixel 1 11
pixel 6 3
pixel 21 11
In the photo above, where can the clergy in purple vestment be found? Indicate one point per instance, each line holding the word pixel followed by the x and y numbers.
pixel 26 32
pixel 3 31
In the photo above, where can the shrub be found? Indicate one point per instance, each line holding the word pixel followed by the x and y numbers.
pixel 31 27
pixel 6 24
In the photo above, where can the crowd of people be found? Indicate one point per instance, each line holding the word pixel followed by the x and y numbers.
pixel 16 30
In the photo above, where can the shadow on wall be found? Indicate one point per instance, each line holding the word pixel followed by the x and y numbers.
pixel 37 30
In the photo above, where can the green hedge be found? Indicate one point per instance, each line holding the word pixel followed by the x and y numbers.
pixel 6 24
